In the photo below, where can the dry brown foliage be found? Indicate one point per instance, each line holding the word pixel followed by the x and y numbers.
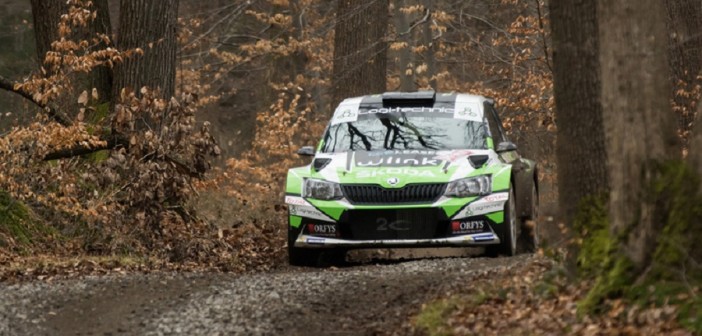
pixel 537 299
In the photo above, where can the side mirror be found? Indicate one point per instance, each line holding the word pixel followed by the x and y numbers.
pixel 506 146
pixel 306 151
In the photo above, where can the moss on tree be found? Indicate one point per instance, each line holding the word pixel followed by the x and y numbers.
pixel 674 274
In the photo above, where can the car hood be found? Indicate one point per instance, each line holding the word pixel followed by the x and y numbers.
pixel 397 168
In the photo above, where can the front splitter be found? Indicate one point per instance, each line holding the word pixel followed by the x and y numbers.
pixel 478 239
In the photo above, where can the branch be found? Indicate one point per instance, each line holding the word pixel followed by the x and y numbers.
pixel 111 142
pixel 543 34
pixel 51 111
pixel 118 141
pixel 427 15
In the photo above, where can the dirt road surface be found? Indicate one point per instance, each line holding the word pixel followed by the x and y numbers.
pixel 362 299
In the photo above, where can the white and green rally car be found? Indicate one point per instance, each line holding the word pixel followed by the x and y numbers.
pixel 412 170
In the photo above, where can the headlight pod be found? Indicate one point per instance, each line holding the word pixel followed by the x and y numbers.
pixel 321 190
pixel 471 186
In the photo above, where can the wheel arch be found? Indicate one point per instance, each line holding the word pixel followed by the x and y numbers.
pixel 524 177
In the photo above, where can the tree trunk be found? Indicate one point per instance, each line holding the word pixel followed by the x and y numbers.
pixel 404 55
pixel 580 151
pixel 695 156
pixel 684 22
pixel 47 16
pixel 428 41
pixel 360 48
pixel 638 125
pixel 150 25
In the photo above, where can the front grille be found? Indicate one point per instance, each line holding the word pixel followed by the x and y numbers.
pixel 424 223
pixel 375 194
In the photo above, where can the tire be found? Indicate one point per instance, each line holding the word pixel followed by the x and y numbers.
pixel 300 256
pixel 508 231
pixel 529 237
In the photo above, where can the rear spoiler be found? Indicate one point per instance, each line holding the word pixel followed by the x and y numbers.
pixel 417 99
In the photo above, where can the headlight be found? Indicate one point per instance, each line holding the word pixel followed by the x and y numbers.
pixel 321 190
pixel 471 186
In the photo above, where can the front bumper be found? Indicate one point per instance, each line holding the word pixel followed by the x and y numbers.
pixel 445 223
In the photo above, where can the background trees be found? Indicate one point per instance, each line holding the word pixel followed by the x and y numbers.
pixel 152 27
pixel 577 90
pixel 641 241
pixel 360 48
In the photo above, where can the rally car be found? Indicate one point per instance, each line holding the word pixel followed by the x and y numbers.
pixel 412 169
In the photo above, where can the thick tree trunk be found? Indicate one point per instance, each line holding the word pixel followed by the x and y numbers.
pixel 580 151
pixel 47 16
pixel 638 124
pixel 684 24
pixel 360 48
pixel 150 25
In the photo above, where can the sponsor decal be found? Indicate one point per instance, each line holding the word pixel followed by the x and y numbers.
pixel 479 209
pixel 453 156
pixel 467 226
pixel 322 229
pixel 398 110
pixel 370 159
pixel 307 211
pixel 347 111
pixel 495 197
pixel 315 241
pixel 295 200
pixel 482 237
pixel 394 171
pixel 468 110
pixel 397 225
pixel 401 152
pixel 485 208
pixel 345 114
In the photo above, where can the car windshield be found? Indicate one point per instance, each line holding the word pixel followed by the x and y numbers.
pixel 405 131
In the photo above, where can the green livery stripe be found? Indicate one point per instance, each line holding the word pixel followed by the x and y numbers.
pixel 490 143
pixel 295 221
pixel 497 217
pixel 453 205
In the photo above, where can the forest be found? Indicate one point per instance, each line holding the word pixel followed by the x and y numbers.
pixel 143 136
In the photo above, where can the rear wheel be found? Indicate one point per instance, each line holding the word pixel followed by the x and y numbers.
pixel 529 237
pixel 508 231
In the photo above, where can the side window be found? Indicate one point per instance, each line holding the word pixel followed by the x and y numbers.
pixel 494 123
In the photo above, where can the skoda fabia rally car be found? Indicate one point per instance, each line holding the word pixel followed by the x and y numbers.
pixel 416 169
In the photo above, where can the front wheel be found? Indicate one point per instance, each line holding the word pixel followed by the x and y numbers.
pixel 508 231
pixel 300 256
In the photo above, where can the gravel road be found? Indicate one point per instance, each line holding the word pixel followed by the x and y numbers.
pixel 365 299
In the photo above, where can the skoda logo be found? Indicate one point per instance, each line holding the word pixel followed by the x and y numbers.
pixel 393 181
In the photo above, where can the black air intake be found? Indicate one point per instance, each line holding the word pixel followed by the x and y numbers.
pixel 375 194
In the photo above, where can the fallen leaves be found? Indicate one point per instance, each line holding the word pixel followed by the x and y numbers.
pixel 538 299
